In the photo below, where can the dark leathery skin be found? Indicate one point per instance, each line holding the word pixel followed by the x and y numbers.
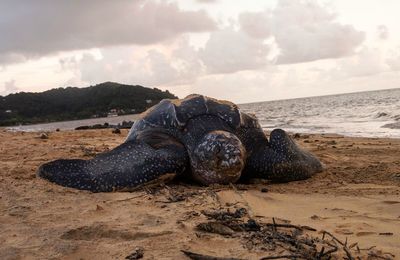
pixel 176 135
pixel 129 165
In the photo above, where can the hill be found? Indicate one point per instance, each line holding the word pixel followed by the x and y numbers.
pixel 77 103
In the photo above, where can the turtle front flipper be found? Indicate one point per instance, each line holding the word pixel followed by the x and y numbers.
pixel 129 165
pixel 282 160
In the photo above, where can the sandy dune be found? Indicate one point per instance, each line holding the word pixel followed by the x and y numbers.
pixel 357 197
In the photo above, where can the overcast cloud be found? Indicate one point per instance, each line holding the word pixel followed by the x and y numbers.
pixel 239 50
pixel 303 30
pixel 142 65
pixel 382 32
pixel 230 51
pixel 36 28
pixel 8 88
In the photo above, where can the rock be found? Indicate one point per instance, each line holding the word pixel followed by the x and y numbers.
pixel 84 127
pixel 116 131
pixel 332 142
pixel 296 135
pixel 96 126
pixel 137 253
pixel 58 130
pixel 215 227
pixel 44 136
pixel 100 126
pixel 315 217
pixel 252 225
pixel 123 125
pixel 264 190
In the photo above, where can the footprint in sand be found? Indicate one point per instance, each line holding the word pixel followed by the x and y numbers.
pixel 339 210
pixel 316 217
pixel 365 233
pixel 104 232
pixel 19 211
pixel 391 202
pixel 344 231
pixel 344 225
pixel 150 220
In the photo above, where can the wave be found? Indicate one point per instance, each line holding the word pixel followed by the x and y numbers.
pixel 381 114
pixel 392 125
pixel 387 115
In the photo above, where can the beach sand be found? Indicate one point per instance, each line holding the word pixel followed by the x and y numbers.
pixel 356 198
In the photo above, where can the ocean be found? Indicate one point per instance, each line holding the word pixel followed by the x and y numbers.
pixel 367 114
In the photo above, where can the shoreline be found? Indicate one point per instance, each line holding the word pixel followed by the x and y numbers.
pixel 69 125
pixel 327 134
pixel 356 197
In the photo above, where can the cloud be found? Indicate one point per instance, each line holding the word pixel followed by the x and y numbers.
pixel 229 51
pixel 256 24
pixel 38 28
pixel 148 66
pixel 245 86
pixel 294 31
pixel 207 1
pixel 8 88
pixel 382 32
pixel 367 62
pixel 393 60
pixel 303 30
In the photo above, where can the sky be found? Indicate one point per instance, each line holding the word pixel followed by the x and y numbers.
pixel 243 51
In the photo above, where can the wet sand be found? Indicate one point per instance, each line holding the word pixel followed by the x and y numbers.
pixel 357 197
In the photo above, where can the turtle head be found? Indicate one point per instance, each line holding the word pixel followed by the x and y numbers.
pixel 218 158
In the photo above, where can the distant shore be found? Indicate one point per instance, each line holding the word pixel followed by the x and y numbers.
pixel 356 197
pixel 70 125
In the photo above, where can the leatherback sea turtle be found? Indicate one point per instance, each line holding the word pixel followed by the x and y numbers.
pixel 209 140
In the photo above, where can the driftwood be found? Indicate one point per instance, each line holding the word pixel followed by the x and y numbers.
pixel 215 227
pixel 281 257
pixel 297 242
pixel 225 215
pixel 196 256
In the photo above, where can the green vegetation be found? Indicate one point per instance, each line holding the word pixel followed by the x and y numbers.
pixel 77 103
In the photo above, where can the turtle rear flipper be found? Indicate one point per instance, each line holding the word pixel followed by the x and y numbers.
pixel 282 160
pixel 127 166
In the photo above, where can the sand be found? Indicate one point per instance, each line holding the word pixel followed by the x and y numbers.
pixel 356 197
